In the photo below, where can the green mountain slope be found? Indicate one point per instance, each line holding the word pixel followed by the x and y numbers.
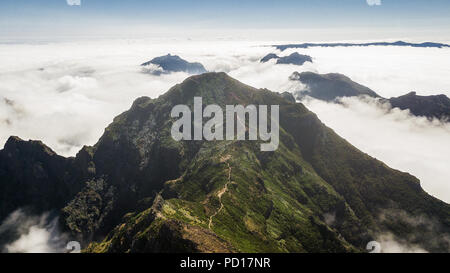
pixel 316 193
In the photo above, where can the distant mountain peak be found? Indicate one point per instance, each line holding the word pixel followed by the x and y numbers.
pixel 173 63
pixel 435 106
pixel 398 43
pixel 330 86
pixel 295 59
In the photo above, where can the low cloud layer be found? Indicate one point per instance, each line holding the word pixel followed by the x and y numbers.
pixel 390 71
pixel 66 93
pixel 390 244
pixel 431 233
pixel 402 141
pixel 24 233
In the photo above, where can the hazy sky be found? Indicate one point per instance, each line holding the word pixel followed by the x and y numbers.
pixel 352 19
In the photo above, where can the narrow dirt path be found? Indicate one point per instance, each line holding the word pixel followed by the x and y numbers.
pixel 219 194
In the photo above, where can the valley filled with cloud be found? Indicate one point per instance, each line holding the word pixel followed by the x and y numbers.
pixel 66 93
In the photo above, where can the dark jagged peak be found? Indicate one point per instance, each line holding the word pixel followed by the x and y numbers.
pixel 437 106
pixel 328 87
pixel 18 147
pixel 173 63
pixel 295 59
pixel 32 175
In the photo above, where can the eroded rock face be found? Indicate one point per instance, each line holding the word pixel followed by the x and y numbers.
pixel 141 191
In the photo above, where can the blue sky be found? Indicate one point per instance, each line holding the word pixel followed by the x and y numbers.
pixel 54 16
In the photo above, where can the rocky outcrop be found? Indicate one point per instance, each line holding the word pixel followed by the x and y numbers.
pixel 328 87
pixel 173 63
pixel 428 106
pixel 33 176
pixel 295 59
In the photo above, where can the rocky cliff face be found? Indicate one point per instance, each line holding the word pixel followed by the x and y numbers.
pixel 33 176
pixel 141 191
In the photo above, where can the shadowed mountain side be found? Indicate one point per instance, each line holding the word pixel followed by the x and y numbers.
pixel 316 193
pixel 32 176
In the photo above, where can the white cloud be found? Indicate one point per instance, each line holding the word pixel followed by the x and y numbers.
pixel 390 71
pixel 402 141
pixel 430 233
pixel 374 2
pixel 65 94
pixel 76 89
pixel 35 234
pixel 390 244
pixel 74 2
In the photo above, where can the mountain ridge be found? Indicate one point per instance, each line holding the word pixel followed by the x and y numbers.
pixel 398 43
pixel 295 59
pixel 146 192
pixel 330 87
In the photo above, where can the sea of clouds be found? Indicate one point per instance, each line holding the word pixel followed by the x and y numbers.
pixel 66 93
pixel 404 142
